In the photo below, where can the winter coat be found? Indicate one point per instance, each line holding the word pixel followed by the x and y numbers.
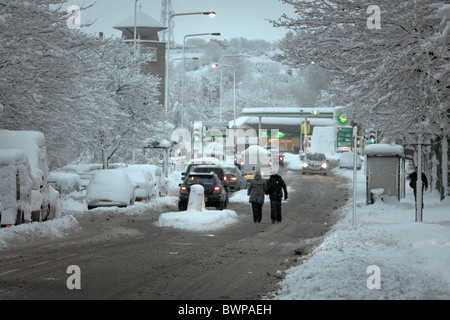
pixel 256 189
pixel 413 182
pixel 275 187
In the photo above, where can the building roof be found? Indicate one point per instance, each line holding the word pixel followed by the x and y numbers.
pixel 285 122
pixel 290 112
pixel 145 25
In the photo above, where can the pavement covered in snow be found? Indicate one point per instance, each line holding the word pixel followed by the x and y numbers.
pixel 385 254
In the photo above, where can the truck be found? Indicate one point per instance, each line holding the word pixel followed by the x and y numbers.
pixel 15 187
pixel 44 202
pixel 256 158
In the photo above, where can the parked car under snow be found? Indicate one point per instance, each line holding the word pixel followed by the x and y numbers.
pixel 110 187
pixel 346 161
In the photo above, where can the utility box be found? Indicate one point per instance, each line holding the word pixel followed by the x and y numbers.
pixel 383 171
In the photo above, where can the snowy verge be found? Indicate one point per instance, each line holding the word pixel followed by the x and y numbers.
pixel 408 259
pixel 28 232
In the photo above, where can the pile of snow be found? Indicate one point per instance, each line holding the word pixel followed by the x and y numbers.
pixel 65 182
pixel 206 220
pixel 411 258
pixel 292 161
pixel 29 232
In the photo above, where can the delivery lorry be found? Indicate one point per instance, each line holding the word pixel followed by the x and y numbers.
pixel 38 202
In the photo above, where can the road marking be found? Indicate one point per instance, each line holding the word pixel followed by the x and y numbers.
pixel 38 264
pixel 68 256
pixel 10 271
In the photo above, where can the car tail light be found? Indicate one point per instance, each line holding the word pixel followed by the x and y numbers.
pixel 242 163
pixel 281 158
pixel 224 178
pixel 183 189
pixel 216 189
pixel 270 163
pixel 233 178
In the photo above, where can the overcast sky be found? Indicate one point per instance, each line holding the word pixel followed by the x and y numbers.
pixel 235 18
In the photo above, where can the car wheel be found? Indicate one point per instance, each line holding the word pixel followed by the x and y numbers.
pixel 19 217
pixel 221 205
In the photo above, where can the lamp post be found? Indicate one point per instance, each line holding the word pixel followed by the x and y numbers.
pixel 135 23
pixel 234 90
pixel 166 89
pixel 234 86
pixel 184 66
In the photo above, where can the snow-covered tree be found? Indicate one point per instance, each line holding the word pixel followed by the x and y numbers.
pixel 390 66
pixel 76 89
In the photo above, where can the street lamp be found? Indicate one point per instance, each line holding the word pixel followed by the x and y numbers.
pixel 215 65
pixel 184 66
pixel 234 86
pixel 135 23
pixel 166 89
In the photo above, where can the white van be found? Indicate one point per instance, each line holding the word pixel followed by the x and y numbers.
pixel 43 197
pixel 15 187
pixel 256 158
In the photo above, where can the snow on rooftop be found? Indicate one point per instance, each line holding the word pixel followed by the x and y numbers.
pixel 144 24
pixel 243 121
pixel 383 149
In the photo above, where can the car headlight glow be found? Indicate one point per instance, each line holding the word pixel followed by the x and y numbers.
pixel 305 165
pixel 324 165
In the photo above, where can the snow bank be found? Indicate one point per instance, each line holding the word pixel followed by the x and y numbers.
pixel 206 220
pixel 412 257
pixel 28 232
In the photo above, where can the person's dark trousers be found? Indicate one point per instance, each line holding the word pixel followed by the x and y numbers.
pixel 257 211
pixel 415 195
pixel 275 209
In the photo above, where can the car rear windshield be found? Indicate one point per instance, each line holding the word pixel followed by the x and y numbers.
pixel 217 171
pixel 200 180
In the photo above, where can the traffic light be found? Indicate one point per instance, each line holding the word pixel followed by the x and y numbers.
pixel 373 137
pixel 197 131
pixel 370 136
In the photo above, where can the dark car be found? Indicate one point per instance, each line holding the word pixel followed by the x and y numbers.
pixel 217 169
pixel 214 192
pixel 315 163
pixel 236 179
pixel 199 161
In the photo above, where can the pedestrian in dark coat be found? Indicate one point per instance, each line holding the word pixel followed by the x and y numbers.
pixel 413 183
pixel 256 192
pixel 275 187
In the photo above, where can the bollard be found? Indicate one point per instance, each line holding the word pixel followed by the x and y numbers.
pixel 196 198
